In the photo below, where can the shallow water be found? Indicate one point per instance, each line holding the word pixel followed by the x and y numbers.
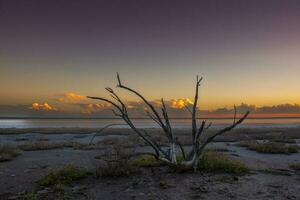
pixel 141 123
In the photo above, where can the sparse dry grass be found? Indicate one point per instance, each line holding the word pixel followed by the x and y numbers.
pixel 117 161
pixel 218 149
pixel 284 140
pixel 46 145
pixel 246 143
pixel 146 161
pixel 219 162
pixel 212 161
pixel 41 145
pixel 63 176
pixel 115 169
pixel 270 147
pixel 8 153
pixel 296 166
pixel 27 196
pixel 111 141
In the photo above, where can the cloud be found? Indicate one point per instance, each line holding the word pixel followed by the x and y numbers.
pixel 180 103
pixel 82 102
pixel 31 110
pixel 175 107
pixel 282 108
pixel 173 103
pixel 45 106
pixel 71 97
pixel 75 105
pixel 133 106
pixel 240 109
pixel 137 108
pixel 91 108
pixel 276 109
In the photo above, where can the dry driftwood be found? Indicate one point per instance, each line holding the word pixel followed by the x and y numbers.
pixel 199 141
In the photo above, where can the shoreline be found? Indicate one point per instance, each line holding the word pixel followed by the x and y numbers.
pixel 81 130
pixel 13 135
pixel 46 149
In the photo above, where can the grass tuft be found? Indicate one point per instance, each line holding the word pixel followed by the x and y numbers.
pixel 117 160
pixel 8 153
pixel 63 176
pixel 41 145
pixel 27 196
pixel 151 161
pixel 115 169
pixel 296 166
pixel 212 161
pixel 46 145
pixel 270 147
pixel 284 140
pixel 146 161
pixel 219 162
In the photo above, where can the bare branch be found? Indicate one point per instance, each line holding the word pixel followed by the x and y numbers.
pixel 166 117
pixel 119 80
pixel 188 109
pixel 102 129
pixel 152 117
pixel 109 89
pixel 227 128
pixel 145 101
pixel 234 117
pixel 117 98
pixel 128 121
pixel 208 126
pixel 200 131
pixel 154 143
pixel 115 113
pixel 108 101
pixel 168 155
pixel 181 148
pixel 195 141
pixel 194 120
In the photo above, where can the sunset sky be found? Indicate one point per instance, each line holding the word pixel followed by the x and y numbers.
pixel 54 53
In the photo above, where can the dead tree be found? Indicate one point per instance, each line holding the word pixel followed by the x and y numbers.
pixel 168 155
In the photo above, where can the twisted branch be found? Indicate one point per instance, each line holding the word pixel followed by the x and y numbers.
pixel 169 155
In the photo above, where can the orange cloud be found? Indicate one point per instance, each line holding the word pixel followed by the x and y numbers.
pixel 180 103
pixel 45 106
pixel 157 103
pixel 173 103
pixel 71 97
pixel 135 104
pixel 94 107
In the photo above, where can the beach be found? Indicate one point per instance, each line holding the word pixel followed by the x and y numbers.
pixel 270 175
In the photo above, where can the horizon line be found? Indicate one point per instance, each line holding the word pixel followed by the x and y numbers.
pixel 138 118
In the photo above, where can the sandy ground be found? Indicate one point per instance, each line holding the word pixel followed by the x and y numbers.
pixel 270 176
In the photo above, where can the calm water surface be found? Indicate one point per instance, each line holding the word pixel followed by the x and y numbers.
pixel 143 123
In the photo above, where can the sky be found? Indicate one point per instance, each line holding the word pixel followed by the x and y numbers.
pixel 54 53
